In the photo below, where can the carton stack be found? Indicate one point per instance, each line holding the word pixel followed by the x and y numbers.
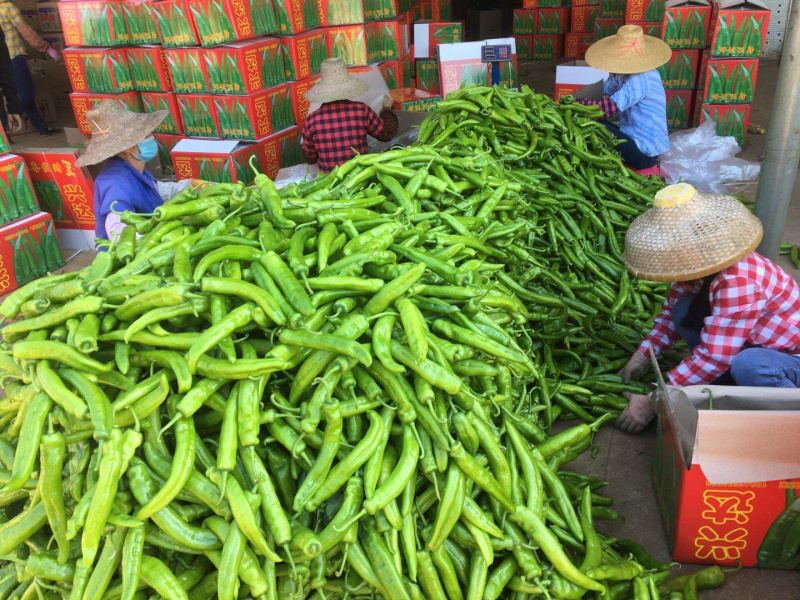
pixel 428 36
pixel 28 242
pixel 648 14
pixel 583 15
pixel 609 19
pixel 539 31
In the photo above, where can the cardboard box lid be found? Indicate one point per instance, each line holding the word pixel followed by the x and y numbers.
pixel 736 434
pixel 674 3
pixel 246 43
pixel 578 72
pixel 205 146
pixel 743 4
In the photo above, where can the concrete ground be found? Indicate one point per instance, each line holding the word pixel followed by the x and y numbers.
pixel 626 460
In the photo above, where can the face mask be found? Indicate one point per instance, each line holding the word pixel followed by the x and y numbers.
pixel 148 149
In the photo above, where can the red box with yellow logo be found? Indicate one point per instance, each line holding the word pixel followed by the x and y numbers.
pixel 95 23
pixel 149 68
pixel 387 40
pixel 397 73
pixel 298 91
pixel 245 67
pixel 221 21
pixel 254 116
pixel 83 103
pixel 302 54
pixel 644 11
pixel 46 189
pixel 188 70
pixel 582 18
pixel 725 478
pixel 221 161
pixel 175 24
pixel 198 115
pixel 28 249
pixel 552 21
pixel 280 150
pixel 576 44
pixel 16 191
pixel 155 101
pixel 101 70
pixel 296 16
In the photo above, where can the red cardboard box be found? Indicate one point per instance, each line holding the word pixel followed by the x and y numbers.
pixel 45 187
pixel 653 29
pixel 524 44
pixel 547 47
pixel 149 68
pixel 644 11
pixel 376 10
pixel 679 108
pixel 102 70
pixel 83 103
pixel 244 67
pixel 576 44
pixel 166 143
pixel 586 3
pixel 153 101
pixel 605 27
pixel 298 91
pixel 525 21
pixel 280 150
pixel 141 20
pixel 738 28
pixel 265 21
pixel 731 119
pixel 255 116
pixel 387 40
pixel 397 73
pixel 612 9
pixel 413 100
pixel 575 74
pixel 680 73
pixel 348 12
pixel 28 249
pixel 175 24
pixel 543 3
pixel 427 75
pixel 428 35
pixel 296 16
pixel 552 21
pixel 729 80
pixel 76 188
pixel 686 24
pixel 349 43
pixel 188 70
pixel 94 23
pixel 222 161
pixel 222 21
pixel 198 115
pixel 302 54
pixel 723 480
pixel 16 190
pixel 434 10
pixel 582 18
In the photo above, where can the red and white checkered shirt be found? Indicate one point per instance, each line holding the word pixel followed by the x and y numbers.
pixel 337 131
pixel 753 303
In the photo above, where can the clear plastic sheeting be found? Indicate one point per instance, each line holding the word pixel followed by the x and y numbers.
pixel 707 161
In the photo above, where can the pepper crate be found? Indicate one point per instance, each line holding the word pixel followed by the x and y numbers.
pixel 28 250
pixel 96 23
pixel 245 67
pixel 141 20
pixel 16 190
pixel 103 70
pixel 149 68
pixel 255 116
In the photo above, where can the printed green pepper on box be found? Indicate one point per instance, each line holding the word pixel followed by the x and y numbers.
pixel 149 68
pixel 221 21
pixel 302 54
pixel 376 10
pixel 387 40
pixel 686 24
pixel 679 108
pixel 16 190
pixel 576 44
pixel 213 160
pixel 428 35
pixel 680 73
pixel 612 9
pixel 297 90
pixel 94 23
pixel 175 24
pixel 262 13
pixel 29 249
pixel 397 73
pixel 348 42
pixel 254 116
pixel 296 16
pixel 244 67
pixel 141 20
pixel 524 23
pixel 103 70
pixel 524 45
pixel 546 47
pixel 344 12
pixel 187 68
pixel 279 150
pixel 732 119
pixel 552 21
pixel 155 101
pixel 427 75
pixel 45 188
pixel 84 102
pixel 739 29
pixel 604 27
pixel 198 115
pixel 729 80
pixel 166 142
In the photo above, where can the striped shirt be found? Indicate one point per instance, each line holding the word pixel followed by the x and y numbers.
pixel 642 106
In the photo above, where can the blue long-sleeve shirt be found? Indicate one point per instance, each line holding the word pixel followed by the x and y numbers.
pixel 642 105
pixel 122 186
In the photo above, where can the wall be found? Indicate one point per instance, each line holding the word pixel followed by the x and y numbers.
pixel 777 26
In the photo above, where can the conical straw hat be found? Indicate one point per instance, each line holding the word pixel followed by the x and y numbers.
pixel 335 83
pixel 115 129
pixel 688 235
pixel 629 51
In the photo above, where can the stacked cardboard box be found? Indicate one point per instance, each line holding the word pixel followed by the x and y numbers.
pixel 428 36
pixel 583 15
pixel 648 14
pixel 539 32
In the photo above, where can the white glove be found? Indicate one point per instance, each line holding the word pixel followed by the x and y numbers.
pixel 634 368
pixel 640 411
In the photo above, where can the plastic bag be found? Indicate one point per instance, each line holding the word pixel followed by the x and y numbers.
pixel 296 174
pixel 706 160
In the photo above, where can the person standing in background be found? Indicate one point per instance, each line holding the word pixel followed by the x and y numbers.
pixel 12 121
pixel 17 32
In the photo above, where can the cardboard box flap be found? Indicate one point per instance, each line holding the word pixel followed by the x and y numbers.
pixel 744 4
pixel 579 72
pixel 206 146
pixel 673 3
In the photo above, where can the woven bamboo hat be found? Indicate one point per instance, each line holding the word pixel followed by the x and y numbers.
pixel 629 51
pixel 335 83
pixel 115 129
pixel 688 235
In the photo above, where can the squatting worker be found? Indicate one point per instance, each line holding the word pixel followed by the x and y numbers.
pixel 124 140
pixel 738 312
pixel 337 130
pixel 634 93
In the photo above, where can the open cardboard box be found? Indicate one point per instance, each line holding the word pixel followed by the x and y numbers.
pixel 578 75
pixel 726 466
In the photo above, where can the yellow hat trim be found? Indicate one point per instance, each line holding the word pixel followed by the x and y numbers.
pixel 674 195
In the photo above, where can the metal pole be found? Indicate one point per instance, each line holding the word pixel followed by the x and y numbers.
pixel 782 151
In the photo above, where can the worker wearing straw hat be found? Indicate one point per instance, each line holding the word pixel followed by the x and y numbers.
pixel 633 93
pixel 124 139
pixel 738 312
pixel 337 130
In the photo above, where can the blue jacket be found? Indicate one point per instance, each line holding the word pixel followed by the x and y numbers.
pixel 122 186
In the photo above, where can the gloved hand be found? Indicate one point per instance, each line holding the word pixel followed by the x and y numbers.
pixel 640 411
pixel 634 368
pixel 388 101
pixel 54 54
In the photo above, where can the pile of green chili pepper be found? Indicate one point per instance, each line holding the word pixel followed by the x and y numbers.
pixel 343 388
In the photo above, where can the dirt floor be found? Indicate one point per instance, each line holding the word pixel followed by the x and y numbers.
pixel 626 460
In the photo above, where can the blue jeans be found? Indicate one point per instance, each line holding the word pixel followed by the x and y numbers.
pixel 756 367
pixel 629 151
pixel 24 82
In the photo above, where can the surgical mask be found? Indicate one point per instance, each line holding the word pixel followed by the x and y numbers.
pixel 148 149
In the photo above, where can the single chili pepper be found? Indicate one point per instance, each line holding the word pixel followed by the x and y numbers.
pixel 28 444
pixel 53 452
pixel 132 555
